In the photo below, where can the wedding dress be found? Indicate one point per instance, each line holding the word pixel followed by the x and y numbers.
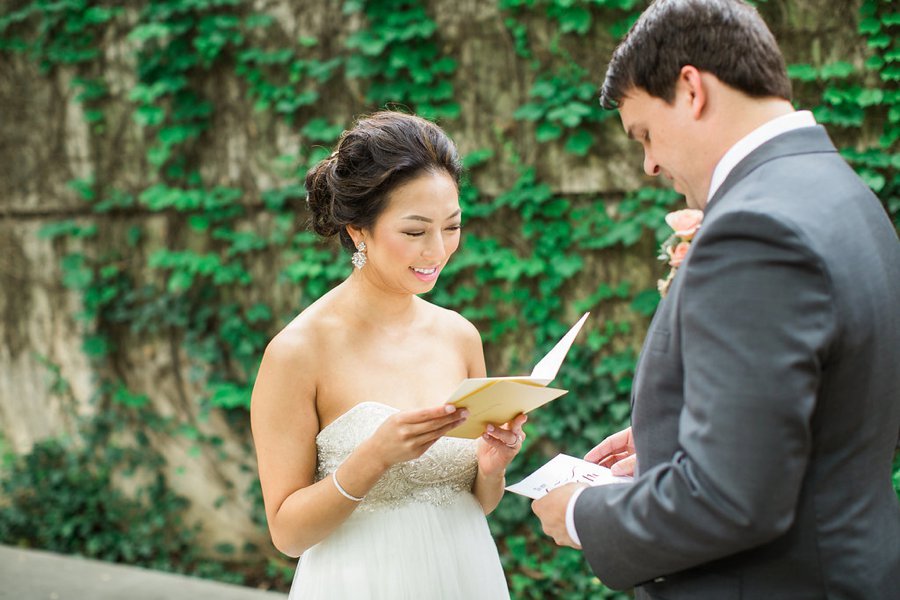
pixel 419 533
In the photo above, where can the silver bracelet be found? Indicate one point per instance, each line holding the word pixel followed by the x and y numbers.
pixel 344 492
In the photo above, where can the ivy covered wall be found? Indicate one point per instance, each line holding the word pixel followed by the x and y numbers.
pixel 152 235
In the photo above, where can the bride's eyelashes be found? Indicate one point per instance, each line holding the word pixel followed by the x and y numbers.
pixel 421 233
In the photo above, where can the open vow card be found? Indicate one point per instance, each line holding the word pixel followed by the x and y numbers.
pixel 563 469
pixel 498 400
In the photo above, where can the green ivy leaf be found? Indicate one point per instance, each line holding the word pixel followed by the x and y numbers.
pixel 199 223
pixel 891 73
pixel 620 28
pixel 569 114
pixel 68 228
pixel 875 63
pixel 568 265
pixel 477 157
pixel 579 143
pixel 802 72
pixel 353 6
pixel 837 70
pixel 259 313
pixel 873 179
pixel 76 275
pixel 576 18
pixel 870 97
pixel 881 40
pixel 869 26
pixel 179 281
pixel 148 115
pixel 547 131
pixel 127 398
pixel 319 130
pixel 229 395
pixel 258 21
pixel 543 89
pixel 83 187
pixel 95 346
pixel 645 302
pixel 367 42
pixel 529 112
pixel 149 31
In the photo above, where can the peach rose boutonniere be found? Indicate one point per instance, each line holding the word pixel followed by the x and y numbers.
pixel 685 224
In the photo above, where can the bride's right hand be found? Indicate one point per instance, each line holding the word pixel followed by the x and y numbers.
pixel 408 434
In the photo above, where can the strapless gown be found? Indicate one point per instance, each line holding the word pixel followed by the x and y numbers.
pixel 419 534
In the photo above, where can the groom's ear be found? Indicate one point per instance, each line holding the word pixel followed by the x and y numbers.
pixel 693 88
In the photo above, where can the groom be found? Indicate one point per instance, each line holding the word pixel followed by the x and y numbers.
pixel 766 402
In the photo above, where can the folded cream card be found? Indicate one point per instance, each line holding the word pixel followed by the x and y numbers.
pixel 563 469
pixel 498 400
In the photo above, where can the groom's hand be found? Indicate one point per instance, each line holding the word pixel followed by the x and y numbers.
pixel 616 452
pixel 551 510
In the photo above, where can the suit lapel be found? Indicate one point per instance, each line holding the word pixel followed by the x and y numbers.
pixel 799 141
pixel 805 140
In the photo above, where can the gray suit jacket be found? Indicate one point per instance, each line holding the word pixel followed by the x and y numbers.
pixel 766 402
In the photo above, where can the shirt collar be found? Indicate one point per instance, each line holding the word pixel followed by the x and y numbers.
pixel 755 139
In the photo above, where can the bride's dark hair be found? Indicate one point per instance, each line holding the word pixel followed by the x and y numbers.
pixel 380 153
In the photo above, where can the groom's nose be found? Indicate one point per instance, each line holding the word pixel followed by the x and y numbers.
pixel 651 167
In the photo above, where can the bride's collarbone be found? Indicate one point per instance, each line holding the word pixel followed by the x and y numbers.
pixel 408 389
pixel 409 386
pixel 368 362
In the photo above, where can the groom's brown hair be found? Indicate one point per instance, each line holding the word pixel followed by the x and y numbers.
pixel 727 38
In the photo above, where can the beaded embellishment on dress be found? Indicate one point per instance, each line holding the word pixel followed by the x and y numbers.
pixel 447 469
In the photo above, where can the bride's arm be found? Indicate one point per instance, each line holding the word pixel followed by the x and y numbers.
pixel 495 451
pixel 283 417
pixel 489 486
pixel 488 489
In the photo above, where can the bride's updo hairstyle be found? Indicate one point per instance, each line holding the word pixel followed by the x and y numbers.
pixel 379 154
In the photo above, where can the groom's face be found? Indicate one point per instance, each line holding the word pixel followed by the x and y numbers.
pixel 665 132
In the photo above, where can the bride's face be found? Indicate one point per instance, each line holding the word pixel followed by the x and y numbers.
pixel 416 234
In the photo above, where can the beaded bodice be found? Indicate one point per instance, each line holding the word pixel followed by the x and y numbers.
pixel 446 469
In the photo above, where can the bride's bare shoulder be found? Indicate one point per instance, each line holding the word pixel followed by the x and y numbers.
pixel 308 334
pixel 451 323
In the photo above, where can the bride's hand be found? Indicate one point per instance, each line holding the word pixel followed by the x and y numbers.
pixel 499 445
pixel 408 434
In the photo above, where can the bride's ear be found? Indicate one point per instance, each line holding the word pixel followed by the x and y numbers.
pixel 356 234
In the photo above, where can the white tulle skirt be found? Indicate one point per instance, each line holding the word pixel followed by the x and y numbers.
pixel 418 551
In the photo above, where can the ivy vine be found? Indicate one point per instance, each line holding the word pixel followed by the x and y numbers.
pixel 198 287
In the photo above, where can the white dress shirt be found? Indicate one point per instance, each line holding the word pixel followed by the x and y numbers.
pixel 729 161
pixel 755 139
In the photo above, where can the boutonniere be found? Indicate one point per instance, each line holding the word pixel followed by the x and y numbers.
pixel 685 224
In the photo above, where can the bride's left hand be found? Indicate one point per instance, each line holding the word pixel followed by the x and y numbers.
pixel 499 445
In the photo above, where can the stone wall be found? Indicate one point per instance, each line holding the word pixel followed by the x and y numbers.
pixel 46 380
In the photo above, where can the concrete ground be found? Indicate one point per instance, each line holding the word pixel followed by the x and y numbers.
pixel 35 575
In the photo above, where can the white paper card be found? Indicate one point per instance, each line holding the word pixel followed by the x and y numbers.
pixel 499 399
pixel 548 367
pixel 563 469
pixel 543 373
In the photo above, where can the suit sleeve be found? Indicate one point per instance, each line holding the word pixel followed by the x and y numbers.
pixel 756 318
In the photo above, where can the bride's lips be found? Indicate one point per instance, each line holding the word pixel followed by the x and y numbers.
pixel 426 274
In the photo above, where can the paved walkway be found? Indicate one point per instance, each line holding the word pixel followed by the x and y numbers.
pixel 34 575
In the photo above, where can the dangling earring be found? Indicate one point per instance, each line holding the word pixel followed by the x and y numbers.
pixel 359 257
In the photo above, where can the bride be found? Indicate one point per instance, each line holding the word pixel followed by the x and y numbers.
pixel 346 412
